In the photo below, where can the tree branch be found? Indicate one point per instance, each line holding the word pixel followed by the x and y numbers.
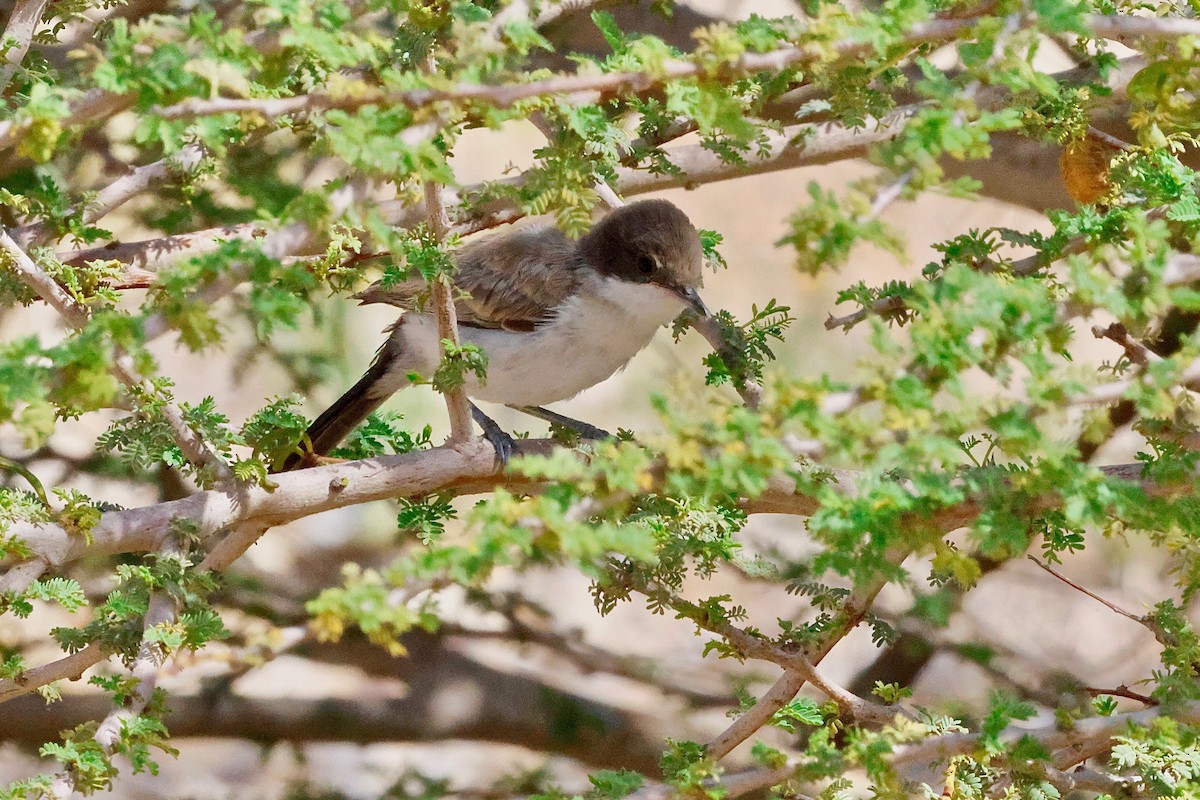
pixel 442 291
pixel 194 448
pixel 121 191
pixel 574 89
pixel 794 146
pixel 22 24
pixel 66 668
pixel 1092 732
pixel 854 609
pixel 161 610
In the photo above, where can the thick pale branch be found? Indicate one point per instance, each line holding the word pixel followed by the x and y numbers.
pixel 1130 29
pixel 463 470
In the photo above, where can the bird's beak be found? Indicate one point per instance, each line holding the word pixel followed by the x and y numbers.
pixel 690 296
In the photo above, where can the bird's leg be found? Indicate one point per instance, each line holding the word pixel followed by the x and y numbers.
pixel 505 445
pixel 582 428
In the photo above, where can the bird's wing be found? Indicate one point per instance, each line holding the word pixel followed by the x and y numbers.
pixel 513 281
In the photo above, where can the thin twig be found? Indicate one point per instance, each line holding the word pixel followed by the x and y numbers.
pixel 1146 622
pixel 442 299
pixel 1121 691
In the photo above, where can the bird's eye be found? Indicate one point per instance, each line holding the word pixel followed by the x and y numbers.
pixel 646 264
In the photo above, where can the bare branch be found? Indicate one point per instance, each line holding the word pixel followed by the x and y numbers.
pixel 1146 622
pixel 67 668
pixel 1121 691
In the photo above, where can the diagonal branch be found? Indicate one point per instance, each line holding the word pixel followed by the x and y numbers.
pixel 853 611
pixel 22 24
pixel 194 448
pixel 120 191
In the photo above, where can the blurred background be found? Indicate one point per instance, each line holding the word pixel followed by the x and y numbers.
pixel 544 688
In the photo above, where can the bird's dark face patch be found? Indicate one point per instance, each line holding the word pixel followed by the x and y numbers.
pixel 650 241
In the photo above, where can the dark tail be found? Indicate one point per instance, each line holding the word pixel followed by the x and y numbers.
pixel 328 430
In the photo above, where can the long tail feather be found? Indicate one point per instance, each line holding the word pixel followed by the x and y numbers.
pixel 335 422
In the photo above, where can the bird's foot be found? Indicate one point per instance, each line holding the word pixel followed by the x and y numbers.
pixel 505 445
pixel 584 429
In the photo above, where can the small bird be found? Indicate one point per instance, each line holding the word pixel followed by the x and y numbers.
pixel 553 315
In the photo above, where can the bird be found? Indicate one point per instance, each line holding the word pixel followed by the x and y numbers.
pixel 553 315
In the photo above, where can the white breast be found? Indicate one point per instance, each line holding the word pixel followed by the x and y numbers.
pixel 594 334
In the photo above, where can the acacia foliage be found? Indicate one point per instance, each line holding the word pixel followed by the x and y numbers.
pixel 230 111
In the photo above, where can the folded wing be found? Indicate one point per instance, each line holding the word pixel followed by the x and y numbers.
pixel 512 281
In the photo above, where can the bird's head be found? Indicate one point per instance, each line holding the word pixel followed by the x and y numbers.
pixel 650 242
